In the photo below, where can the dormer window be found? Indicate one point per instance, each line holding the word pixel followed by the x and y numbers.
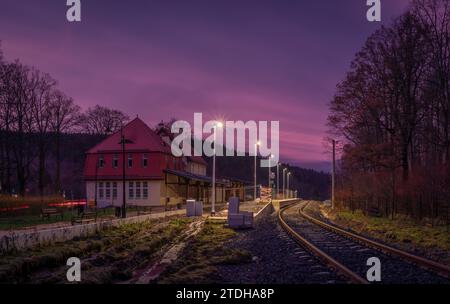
pixel 130 160
pixel 101 161
pixel 145 160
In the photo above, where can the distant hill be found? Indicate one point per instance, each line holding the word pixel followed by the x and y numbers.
pixel 310 184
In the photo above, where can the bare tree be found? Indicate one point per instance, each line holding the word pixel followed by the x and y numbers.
pixel 382 111
pixel 21 122
pixel 41 87
pixel 436 15
pixel 102 121
pixel 5 170
pixel 64 116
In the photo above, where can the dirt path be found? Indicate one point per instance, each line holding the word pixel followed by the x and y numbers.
pixel 167 255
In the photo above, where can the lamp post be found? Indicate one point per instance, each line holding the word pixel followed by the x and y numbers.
pixel 333 177
pixel 284 183
pixel 123 142
pixel 270 169
pixel 254 175
pixel 124 208
pixel 278 179
pixel 213 200
pixel 288 175
pixel 270 173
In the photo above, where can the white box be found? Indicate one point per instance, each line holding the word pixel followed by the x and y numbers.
pixel 190 208
pixel 198 208
pixel 233 205
pixel 248 219
pixel 240 220
pixel 235 220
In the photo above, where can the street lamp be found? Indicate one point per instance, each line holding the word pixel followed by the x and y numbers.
pixel 270 171
pixel 213 200
pixel 284 183
pixel 123 142
pixel 288 175
pixel 278 180
pixel 256 153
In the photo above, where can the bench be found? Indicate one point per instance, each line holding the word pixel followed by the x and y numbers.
pixel 48 212
pixel 85 217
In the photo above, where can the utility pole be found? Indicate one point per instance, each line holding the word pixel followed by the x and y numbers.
pixel 278 180
pixel 96 177
pixel 333 177
pixel 213 200
pixel 288 188
pixel 254 175
pixel 270 176
pixel 124 211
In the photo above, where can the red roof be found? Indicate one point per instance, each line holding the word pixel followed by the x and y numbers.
pixel 139 137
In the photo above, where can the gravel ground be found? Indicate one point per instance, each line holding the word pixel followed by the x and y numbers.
pixel 277 259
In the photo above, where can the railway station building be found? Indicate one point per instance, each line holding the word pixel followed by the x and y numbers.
pixel 153 176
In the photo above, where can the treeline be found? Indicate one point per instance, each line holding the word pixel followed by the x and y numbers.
pixel 309 184
pixel 391 115
pixel 34 116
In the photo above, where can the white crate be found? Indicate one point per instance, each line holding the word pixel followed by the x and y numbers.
pixel 233 205
pixel 240 220
pixel 190 208
pixel 235 220
pixel 198 208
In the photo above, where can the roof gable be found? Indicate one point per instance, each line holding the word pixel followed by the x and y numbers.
pixel 138 136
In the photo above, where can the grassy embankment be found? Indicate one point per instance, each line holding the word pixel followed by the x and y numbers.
pixel 402 232
pixel 108 257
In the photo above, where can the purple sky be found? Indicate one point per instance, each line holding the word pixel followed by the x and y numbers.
pixel 240 60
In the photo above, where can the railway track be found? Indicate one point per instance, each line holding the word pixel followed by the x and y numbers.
pixel 348 253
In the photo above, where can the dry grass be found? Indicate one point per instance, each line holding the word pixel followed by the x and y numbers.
pixel 200 258
pixel 109 256
pixel 402 232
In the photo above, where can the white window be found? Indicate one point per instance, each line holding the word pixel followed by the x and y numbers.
pixel 100 190
pixel 138 190
pixel 145 190
pixel 114 190
pixel 131 190
pixel 108 190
